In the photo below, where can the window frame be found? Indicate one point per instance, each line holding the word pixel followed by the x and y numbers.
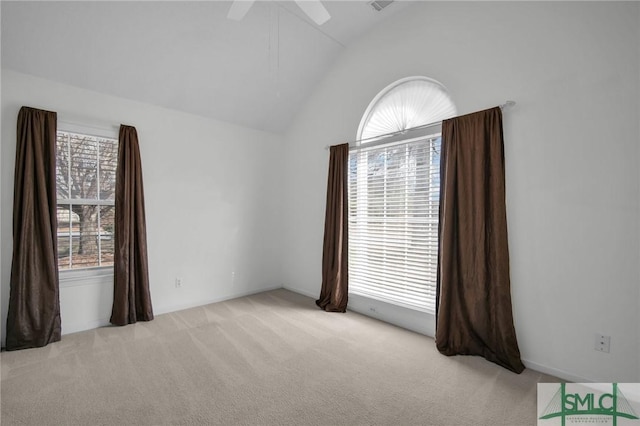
pixel 92 274
pixel 426 131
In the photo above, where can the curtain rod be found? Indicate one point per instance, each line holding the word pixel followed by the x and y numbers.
pixel 352 144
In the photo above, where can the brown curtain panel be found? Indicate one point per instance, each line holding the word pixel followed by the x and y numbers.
pixel 474 315
pixel 33 317
pixel 131 297
pixel 335 272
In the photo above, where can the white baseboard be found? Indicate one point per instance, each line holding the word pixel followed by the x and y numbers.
pixel 84 326
pixel 302 292
pixel 173 308
pixel 561 374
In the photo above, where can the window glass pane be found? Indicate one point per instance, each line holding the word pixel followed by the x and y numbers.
pixel 107 228
pixel 62 166
pixel 85 236
pixel 84 166
pixel 108 160
pixel 64 237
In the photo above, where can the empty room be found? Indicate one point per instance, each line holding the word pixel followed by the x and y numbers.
pixel 319 212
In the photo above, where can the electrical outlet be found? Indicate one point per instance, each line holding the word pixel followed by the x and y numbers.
pixel 602 343
pixel 178 282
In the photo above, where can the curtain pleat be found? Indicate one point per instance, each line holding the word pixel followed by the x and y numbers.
pixel 33 317
pixel 131 296
pixel 474 312
pixel 335 272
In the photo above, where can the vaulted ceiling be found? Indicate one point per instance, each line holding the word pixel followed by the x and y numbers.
pixel 188 56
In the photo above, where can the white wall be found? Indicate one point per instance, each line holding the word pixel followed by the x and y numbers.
pixel 212 200
pixel 571 154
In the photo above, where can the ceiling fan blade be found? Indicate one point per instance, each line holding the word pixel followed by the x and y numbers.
pixel 315 10
pixel 239 8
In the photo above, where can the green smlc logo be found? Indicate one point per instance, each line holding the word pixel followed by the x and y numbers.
pixel 588 404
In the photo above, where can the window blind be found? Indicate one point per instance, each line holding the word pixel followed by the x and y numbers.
pixel 394 195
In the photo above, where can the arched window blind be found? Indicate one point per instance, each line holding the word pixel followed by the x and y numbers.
pixel 394 196
pixel 407 103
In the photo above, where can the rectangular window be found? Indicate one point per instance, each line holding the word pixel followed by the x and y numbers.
pixel 85 182
pixel 394 192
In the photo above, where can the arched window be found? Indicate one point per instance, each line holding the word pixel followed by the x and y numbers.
pixel 405 104
pixel 394 191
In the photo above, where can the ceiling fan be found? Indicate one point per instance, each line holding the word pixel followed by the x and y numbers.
pixel 313 8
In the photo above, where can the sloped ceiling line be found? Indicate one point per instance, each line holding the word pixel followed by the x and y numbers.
pixel 185 55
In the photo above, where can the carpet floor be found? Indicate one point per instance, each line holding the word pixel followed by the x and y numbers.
pixel 271 358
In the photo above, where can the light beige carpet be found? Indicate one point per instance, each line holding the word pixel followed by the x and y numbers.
pixel 268 359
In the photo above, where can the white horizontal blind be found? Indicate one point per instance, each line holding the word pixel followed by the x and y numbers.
pixel 85 190
pixel 394 195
